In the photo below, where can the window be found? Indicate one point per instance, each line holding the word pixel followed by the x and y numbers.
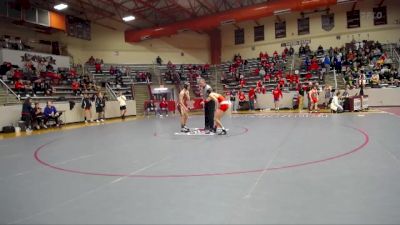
pixel 239 36
pixel 43 17
pixel 259 33
pixel 30 15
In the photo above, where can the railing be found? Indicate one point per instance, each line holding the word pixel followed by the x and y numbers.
pixel 111 92
pixel 9 92
pixel 396 58
pixel 292 64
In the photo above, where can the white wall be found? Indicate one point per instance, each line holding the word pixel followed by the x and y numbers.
pixel 15 57
pixel 12 114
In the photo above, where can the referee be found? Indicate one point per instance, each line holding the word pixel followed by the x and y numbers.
pixel 209 107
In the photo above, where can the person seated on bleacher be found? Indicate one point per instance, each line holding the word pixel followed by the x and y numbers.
pixel 51 114
pixel 302 50
pixel 320 50
pixel 307 49
pixel 76 87
pixel 242 82
pixel 284 53
pixel 151 107
pixel 18 74
pixel 48 89
pixel 10 74
pixel 242 98
pixel 112 70
pixel 19 87
pixel 38 116
pixel 97 66
pixel 164 106
pixel 275 55
pixel 291 51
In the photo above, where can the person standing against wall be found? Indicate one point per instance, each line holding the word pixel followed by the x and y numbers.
pixel 122 104
pixel 87 108
pixel 100 104
pixel 209 107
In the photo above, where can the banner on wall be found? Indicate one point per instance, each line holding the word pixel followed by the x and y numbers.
pixel 328 21
pixel 20 58
pixel 303 26
pixel 259 33
pixel 280 29
pixel 239 36
pixel 296 42
pixel 353 19
pixel 380 16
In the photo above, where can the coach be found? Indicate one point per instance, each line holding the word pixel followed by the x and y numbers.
pixel 209 107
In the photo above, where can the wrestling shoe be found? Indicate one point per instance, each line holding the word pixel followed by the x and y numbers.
pixel 223 132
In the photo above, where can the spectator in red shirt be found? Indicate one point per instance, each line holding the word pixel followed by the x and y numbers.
pixel 75 87
pixel 258 86
pixel 164 107
pixel 277 93
pixel 242 98
pixel 263 90
pixel 275 55
pixel 281 82
pixel 73 73
pixel 242 83
pixel 252 98
pixel 98 67
pixel 20 87
pixel 18 75
pixel 308 76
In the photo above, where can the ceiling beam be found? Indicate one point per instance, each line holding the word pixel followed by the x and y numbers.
pixel 187 11
pixel 156 9
pixel 207 5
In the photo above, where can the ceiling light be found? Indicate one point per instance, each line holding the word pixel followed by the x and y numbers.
pixel 61 6
pixel 282 11
pixel 128 18
pixel 345 1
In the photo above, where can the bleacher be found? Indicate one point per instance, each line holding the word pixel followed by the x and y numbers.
pixel 186 76
pixel 247 70
pixel 133 77
pixel 61 88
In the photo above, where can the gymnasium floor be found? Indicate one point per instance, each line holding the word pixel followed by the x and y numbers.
pixel 270 168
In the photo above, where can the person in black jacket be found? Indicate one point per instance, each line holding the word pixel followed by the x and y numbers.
pixel 26 114
pixel 87 106
pixel 100 104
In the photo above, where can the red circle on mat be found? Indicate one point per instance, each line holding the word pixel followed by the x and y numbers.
pixel 358 148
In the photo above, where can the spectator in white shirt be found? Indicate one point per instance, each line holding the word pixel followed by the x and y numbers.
pixel 122 104
pixel 335 105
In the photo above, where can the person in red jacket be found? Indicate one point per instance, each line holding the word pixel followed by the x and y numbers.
pixel 20 87
pixel 252 98
pixel 277 94
pixel 164 106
